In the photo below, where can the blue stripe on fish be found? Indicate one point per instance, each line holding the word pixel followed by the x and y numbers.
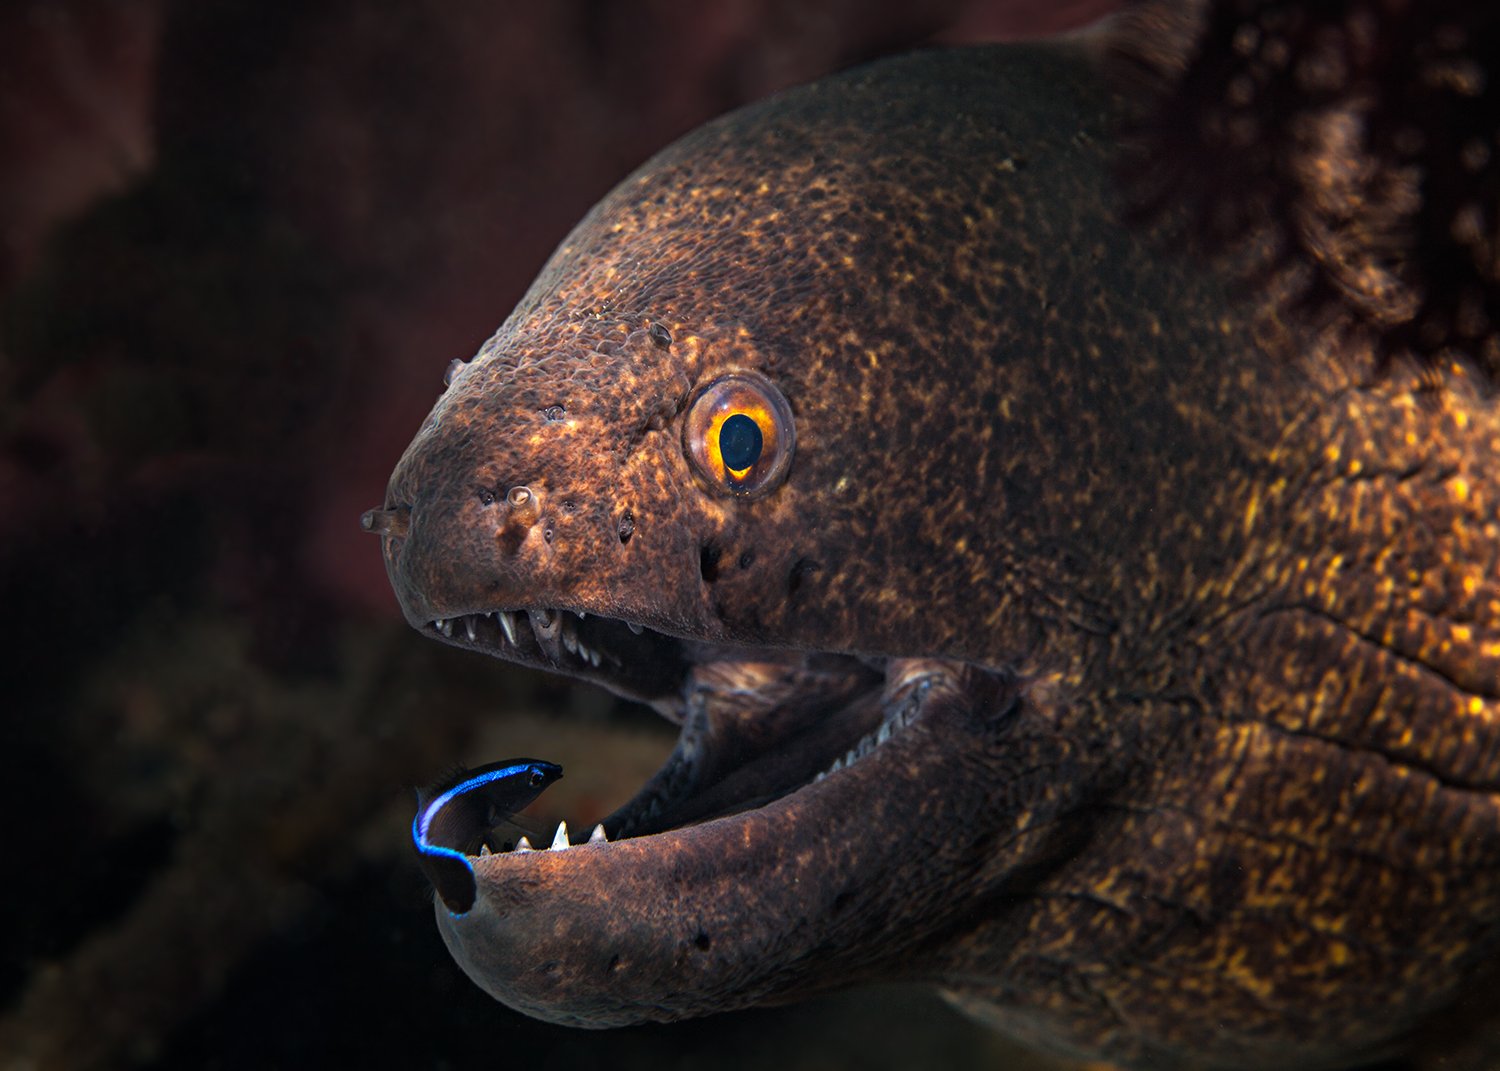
pixel 454 815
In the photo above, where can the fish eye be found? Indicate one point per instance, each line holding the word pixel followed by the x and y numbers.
pixel 739 435
pixel 537 777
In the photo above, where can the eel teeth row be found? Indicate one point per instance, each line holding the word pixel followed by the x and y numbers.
pixel 900 719
pixel 559 841
pixel 550 627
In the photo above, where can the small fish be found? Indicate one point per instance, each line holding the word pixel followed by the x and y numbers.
pixel 454 815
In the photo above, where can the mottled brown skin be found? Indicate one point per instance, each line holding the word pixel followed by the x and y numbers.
pixel 1202 620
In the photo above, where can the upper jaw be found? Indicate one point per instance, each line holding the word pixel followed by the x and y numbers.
pixel 625 657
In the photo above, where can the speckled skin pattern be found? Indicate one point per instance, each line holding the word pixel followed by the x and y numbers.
pixel 1201 618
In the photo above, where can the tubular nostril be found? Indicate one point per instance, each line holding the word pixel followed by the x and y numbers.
pixel 522 506
pixel 391 522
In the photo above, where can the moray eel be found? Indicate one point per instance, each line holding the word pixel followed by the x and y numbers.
pixel 1072 635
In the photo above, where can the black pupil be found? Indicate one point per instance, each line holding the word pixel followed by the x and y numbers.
pixel 740 442
pixel 536 777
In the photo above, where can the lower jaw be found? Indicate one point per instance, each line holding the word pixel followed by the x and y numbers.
pixel 728 911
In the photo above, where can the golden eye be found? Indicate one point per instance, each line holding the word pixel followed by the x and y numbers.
pixel 739 435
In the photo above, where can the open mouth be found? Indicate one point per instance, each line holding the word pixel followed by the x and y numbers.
pixel 805 802
pixel 757 725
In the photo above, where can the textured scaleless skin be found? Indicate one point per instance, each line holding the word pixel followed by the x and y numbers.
pixel 1152 642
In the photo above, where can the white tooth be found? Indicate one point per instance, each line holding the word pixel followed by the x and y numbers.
pixel 484 849
pixel 560 839
pixel 569 638
pixel 582 614
pixel 884 734
pixel 438 624
pixel 598 836
pixel 594 659
pixel 523 845
pixel 446 627
pixel 838 764
pixel 634 627
pixel 469 628
pixel 507 624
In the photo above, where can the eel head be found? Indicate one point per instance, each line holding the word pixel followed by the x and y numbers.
pixel 696 468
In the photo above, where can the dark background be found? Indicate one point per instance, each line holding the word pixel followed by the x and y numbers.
pixel 239 243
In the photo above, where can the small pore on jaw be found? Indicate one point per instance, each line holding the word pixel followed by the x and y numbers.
pixel 709 555
pixel 801 569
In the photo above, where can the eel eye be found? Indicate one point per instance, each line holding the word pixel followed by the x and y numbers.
pixel 739 435
pixel 536 778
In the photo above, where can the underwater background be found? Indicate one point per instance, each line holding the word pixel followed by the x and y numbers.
pixel 239 244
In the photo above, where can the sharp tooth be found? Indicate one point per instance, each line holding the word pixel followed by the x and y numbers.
pixel 507 619
pixel 598 836
pixel 884 734
pixel 544 626
pixel 469 627
pixel 438 624
pixel 569 637
pixel 446 628
pixel 523 845
pixel 594 659
pixel 582 614
pixel 637 629
pixel 484 849
pixel 560 839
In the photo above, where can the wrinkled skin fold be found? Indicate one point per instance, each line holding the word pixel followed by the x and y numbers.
pixel 1152 643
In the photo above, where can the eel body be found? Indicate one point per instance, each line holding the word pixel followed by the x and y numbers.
pixel 1114 655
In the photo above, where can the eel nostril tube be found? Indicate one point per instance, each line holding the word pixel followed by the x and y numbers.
pixel 522 506
pixel 386 522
